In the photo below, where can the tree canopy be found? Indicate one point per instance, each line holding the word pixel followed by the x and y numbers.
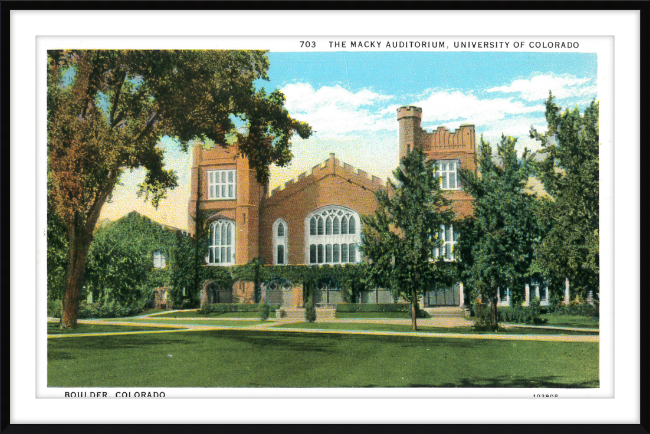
pixel 107 110
pixel 570 173
pixel 498 242
pixel 398 241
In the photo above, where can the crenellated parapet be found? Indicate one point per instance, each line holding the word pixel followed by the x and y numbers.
pixel 330 167
pixel 441 139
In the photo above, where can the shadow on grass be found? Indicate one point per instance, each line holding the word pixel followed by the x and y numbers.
pixel 519 382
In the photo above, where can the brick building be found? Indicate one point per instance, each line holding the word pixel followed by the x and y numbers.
pixel 315 218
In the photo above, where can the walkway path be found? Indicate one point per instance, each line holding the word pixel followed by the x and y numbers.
pixel 269 326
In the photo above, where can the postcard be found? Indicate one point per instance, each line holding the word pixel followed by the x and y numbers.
pixel 326 217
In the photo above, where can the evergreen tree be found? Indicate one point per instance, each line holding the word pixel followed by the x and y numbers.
pixel 398 241
pixel 570 174
pixel 498 242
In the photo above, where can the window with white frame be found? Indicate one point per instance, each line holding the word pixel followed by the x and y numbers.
pixel 159 260
pixel 447 173
pixel 449 237
pixel 222 184
pixel 332 236
pixel 280 242
pixel 221 245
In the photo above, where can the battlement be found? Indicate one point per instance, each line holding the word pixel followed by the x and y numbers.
pixel 410 111
pixel 331 166
pixel 441 137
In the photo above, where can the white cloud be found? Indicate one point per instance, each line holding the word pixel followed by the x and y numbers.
pixel 455 107
pixel 537 87
pixel 334 110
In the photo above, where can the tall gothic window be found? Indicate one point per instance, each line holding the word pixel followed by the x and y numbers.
pixel 280 242
pixel 221 246
pixel 332 236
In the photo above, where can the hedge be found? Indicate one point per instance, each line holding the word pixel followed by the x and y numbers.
pixel 95 310
pixel 234 307
pixel 520 314
pixel 354 307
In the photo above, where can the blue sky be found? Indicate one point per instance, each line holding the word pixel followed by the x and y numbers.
pixel 350 99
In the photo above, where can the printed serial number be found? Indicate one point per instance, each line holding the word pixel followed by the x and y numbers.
pixel 308 44
pixel 545 395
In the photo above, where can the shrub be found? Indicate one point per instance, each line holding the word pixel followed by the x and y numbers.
pixel 401 307
pixel 220 308
pixel 483 320
pixel 521 314
pixel 109 310
pixel 265 311
pixel 54 308
pixel 310 311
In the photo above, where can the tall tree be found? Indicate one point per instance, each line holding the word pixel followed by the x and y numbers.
pixel 498 244
pixel 569 174
pixel 107 110
pixel 398 241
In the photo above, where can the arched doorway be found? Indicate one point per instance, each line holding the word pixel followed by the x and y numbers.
pixel 278 291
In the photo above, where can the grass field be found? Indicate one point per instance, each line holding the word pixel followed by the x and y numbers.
pixel 360 315
pixel 54 329
pixel 180 322
pixel 195 314
pixel 262 359
pixel 554 319
pixel 407 328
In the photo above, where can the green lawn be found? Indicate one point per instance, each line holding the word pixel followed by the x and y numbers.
pixel 196 314
pixel 180 322
pixel 152 311
pixel 263 359
pixel 392 315
pixel 407 328
pixel 54 329
pixel 569 321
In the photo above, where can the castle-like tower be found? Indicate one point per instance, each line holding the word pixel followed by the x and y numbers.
pixel 227 189
pixel 440 145
pixel 410 132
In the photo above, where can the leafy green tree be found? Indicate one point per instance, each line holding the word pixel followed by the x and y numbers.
pixel 398 241
pixel 120 261
pixel 570 174
pixel 107 110
pixel 497 245
pixel 57 249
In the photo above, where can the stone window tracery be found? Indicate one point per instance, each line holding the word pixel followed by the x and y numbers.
pixel 221 245
pixel 332 236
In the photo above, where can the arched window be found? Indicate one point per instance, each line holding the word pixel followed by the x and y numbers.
pixel 221 245
pixel 280 242
pixel 332 236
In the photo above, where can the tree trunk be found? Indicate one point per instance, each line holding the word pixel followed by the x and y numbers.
pixel 495 316
pixel 80 234
pixel 79 245
pixel 414 310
